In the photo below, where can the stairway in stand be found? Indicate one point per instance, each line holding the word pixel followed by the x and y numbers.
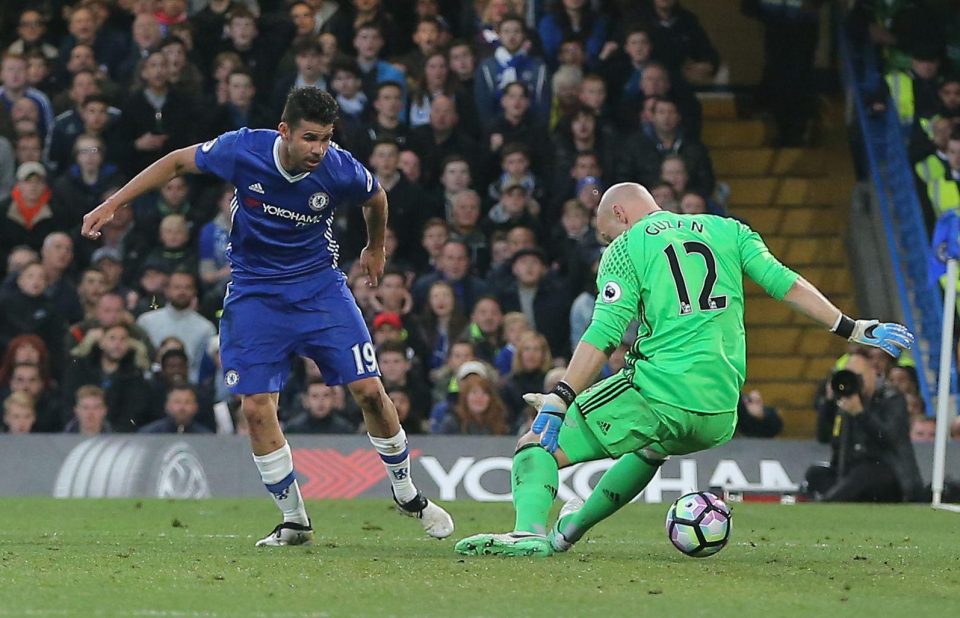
pixel 798 200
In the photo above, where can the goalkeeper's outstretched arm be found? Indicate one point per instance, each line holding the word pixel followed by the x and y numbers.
pixel 890 337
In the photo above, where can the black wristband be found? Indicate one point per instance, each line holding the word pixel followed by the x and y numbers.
pixel 564 391
pixel 845 327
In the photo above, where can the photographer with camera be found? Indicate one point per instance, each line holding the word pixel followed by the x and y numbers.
pixel 873 459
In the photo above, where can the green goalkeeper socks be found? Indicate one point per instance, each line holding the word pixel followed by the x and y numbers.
pixel 617 487
pixel 534 482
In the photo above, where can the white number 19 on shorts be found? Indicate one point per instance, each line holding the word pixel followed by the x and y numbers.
pixel 365 358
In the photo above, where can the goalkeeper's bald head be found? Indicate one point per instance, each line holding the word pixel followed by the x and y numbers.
pixel 621 206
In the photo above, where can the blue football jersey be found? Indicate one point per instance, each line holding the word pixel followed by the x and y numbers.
pixel 282 224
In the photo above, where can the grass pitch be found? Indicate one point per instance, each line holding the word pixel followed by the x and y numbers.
pixel 171 558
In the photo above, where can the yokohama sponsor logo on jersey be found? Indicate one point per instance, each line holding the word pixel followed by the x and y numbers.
pixel 300 218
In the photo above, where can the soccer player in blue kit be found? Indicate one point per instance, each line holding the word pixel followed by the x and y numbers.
pixel 288 295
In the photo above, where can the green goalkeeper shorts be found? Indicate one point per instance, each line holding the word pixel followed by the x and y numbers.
pixel 612 418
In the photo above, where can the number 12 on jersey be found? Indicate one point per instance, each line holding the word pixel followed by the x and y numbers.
pixel 706 300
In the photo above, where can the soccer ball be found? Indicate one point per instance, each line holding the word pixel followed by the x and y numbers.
pixel 698 524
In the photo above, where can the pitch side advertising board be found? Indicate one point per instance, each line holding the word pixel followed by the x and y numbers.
pixel 450 468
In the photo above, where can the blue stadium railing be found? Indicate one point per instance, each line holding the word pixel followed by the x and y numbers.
pixel 899 207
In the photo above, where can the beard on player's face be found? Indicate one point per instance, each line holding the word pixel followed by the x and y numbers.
pixel 305 143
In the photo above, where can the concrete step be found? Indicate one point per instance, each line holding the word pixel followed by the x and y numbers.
pixel 796 221
pixel 718 105
pixel 730 163
pixel 736 133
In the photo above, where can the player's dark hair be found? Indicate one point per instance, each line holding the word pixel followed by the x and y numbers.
pixel 311 104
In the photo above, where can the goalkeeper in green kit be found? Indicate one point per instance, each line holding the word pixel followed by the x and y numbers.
pixel 681 278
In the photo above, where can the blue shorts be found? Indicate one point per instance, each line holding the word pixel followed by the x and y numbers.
pixel 264 324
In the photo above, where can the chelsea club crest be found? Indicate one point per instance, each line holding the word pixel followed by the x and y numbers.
pixel 318 201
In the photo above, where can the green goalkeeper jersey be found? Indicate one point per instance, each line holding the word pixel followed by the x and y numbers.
pixel 681 278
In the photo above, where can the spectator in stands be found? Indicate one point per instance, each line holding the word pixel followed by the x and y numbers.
pixel 465 228
pixel 345 86
pixel 108 46
pixel 914 91
pixel 155 119
pixel 904 379
pixel 479 411
pixel 581 310
pixel 645 150
pixel 434 79
pixel 923 429
pixel 344 23
pixel 485 329
pixel 89 412
pixel 692 204
pixel 146 36
pixel 530 365
pixel 13 75
pixel 433 238
pixel 944 193
pixel 541 298
pixel 680 41
pixel 241 110
pixel 756 420
pixel 90 288
pixel 18 259
pixel 454 269
pixel 79 189
pixel 392 296
pixel 311 65
pixel 29 350
pixel 257 52
pixel 455 176
pixel 401 399
pixel 623 69
pixel 31 31
pixel 28 213
pixel 509 63
pixel 409 164
pixel 463 65
pixel 515 208
pixel 426 40
pixel 387 123
pixel 26 309
pixel 113 359
pixel 28 148
pixel 442 321
pixel 181 411
pixel 213 241
pixel 444 380
pixel 185 77
pixel 933 166
pixel 90 112
pixel 180 319
pixel 405 198
pixel 573 18
pixel 581 132
pixel 368 43
pixel 517 126
pixel 399 372
pixel 175 252
pixel 110 310
pixel 27 378
pixel 174 198
pixel 319 415
pixel 441 138
pixel 515 165
pixel 789 44
pixel 56 257
pixel 573 242
pixel 18 413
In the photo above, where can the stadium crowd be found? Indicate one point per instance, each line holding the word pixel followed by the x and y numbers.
pixel 493 125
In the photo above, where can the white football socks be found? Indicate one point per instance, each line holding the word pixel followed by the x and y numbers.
pixel 276 471
pixel 396 459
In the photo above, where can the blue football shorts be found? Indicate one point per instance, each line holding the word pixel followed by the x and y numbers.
pixel 262 326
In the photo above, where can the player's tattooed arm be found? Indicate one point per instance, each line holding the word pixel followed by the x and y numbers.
pixel 152 178
pixel 373 258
